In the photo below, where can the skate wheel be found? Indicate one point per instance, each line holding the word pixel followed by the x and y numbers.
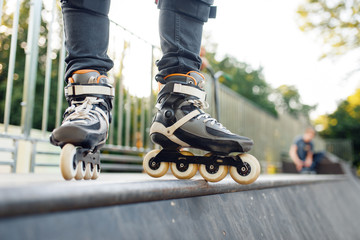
pixel 248 174
pixel 96 173
pixel 184 170
pixel 89 171
pixel 213 173
pixel 67 161
pixel 80 170
pixel 154 169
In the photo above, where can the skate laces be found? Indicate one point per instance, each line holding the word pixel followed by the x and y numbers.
pixel 207 118
pixel 199 104
pixel 83 109
pixel 213 121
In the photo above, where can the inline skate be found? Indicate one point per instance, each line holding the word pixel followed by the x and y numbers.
pixel 85 126
pixel 181 123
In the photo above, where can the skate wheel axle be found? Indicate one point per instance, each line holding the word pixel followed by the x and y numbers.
pixel 79 163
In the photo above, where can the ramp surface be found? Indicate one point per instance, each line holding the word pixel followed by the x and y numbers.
pixel 137 207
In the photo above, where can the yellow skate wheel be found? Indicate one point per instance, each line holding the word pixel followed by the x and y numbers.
pixel 213 173
pixel 89 171
pixel 152 168
pixel 184 170
pixel 80 170
pixel 249 173
pixel 96 173
pixel 67 161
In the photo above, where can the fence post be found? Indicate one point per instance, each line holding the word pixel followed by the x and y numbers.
pixel 60 94
pixel 15 155
pixel 33 155
pixel 10 76
pixel 24 150
pixel 45 113
pixel 151 99
pixel 120 96
pixel 31 63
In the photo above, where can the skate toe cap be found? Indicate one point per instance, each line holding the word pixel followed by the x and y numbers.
pixel 68 134
pixel 245 143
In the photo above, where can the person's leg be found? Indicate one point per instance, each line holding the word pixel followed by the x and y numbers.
pixel 304 170
pixel 86 27
pixel 181 121
pixel 88 90
pixel 317 157
pixel 180 27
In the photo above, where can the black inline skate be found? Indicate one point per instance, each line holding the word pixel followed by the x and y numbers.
pixel 85 126
pixel 181 123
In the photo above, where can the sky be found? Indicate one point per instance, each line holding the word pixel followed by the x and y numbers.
pixel 262 33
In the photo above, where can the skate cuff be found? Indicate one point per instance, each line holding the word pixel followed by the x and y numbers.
pixel 89 90
pixel 189 90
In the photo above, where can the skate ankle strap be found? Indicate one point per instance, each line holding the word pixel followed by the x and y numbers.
pixel 96 90
pixel 190 90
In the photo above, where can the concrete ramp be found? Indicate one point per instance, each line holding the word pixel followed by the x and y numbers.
pixel 274 207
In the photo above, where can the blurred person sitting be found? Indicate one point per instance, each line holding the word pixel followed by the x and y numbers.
pixel 302 152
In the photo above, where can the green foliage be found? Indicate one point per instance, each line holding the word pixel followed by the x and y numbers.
pixel 5 39
pixel 335 21
pixel 250 83
pixel 18 81
pixel 244 80
pixel 344 123
pixel 288 99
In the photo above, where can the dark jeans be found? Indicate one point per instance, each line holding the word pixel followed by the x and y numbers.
pixel 317 157
pixel 86 27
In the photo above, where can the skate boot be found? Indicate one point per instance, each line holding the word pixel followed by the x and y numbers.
pixel 181 122
pixel 85 126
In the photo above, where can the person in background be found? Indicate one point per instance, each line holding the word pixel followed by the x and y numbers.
pixel 302 152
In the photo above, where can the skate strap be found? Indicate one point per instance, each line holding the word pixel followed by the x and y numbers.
pixel 88 89
pixel 189 90
pixel 170 130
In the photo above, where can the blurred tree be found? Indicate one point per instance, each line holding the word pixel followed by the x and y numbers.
pixel 335 21
pixel 245 80
pixel 287 98
pixel 344 122
pixel 250 83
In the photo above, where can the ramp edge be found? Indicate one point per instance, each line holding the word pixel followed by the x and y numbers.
pixel 69 196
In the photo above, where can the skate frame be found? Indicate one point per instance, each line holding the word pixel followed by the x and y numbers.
pixel 175 156
pixel 83 154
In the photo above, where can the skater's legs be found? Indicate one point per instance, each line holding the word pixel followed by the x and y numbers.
pixel 89 92
pixel 181 26
pixel 86 121
pixel 86 26
pixel 317 157
pixel 182 96
pixel 180 120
